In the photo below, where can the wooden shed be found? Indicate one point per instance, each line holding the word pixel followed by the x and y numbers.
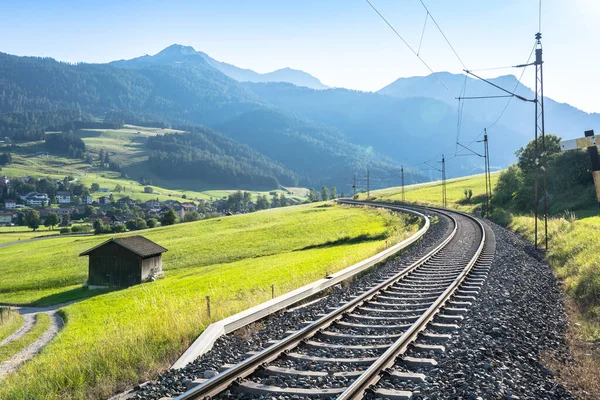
pixel 124 262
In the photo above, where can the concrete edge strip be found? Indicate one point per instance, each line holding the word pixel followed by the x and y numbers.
pixel 209 336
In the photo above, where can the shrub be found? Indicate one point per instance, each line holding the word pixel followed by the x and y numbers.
pixel 64 231
pixel 119 228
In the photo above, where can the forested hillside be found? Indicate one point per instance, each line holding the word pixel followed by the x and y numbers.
pixel 210 157
pixel 316 136
pixel 150 92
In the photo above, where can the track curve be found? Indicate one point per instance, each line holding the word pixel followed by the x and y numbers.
pixel 345 352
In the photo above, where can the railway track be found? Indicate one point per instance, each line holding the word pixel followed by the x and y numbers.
pixel 393 330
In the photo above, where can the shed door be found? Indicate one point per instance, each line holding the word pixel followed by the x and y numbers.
pixel 113 272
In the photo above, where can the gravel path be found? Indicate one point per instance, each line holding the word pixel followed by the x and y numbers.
pixel 28 313
pixel 28 321
pixel 233 348
pixel 6 244
pixel 518 314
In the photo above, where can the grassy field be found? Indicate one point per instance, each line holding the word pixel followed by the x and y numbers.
pixel 15 237
pixel 129 335
pixel 10 321
pixel 126 147
pixel 42 323
pixel 431 193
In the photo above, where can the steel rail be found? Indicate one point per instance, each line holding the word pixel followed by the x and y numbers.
pixel 372 375
pixel 243 369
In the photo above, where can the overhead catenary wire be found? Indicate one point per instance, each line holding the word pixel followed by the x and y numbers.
pixel 410 47
pixel 444 35
pixel 423 33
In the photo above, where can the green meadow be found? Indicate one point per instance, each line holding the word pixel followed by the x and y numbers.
pixel 430 193
pixel 126 336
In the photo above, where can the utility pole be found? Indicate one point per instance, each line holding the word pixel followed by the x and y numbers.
pixel 488 176
pixel 402 173
pixel 368 186
pixel 444 181
pixel 540 159
pixel 354 187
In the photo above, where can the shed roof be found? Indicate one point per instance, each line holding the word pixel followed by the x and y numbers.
pixel 137 244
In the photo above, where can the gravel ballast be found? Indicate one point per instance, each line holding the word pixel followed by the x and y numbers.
pixel 232 348
pixel 517 315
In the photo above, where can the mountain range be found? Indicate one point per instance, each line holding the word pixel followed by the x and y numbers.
pixel 320 135
pixel 177 53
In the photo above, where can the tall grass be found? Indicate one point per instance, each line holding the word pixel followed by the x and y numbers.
pixel 10 322
pixel 42 323
pixel 114 340
pixel 573 252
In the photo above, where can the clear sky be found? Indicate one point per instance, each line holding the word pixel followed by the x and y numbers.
pixel 341 42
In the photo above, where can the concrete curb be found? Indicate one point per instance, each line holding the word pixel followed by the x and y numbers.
pixel 205 341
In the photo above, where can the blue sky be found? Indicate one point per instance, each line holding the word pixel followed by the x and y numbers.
pixel 342 42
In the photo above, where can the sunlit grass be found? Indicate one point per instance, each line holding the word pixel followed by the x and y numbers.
pixel 42 323
pixel 10 322
pixel 431 193
pixel 129 335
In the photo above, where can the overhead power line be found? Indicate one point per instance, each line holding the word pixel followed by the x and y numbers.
pixel 409 46
pixel 442 32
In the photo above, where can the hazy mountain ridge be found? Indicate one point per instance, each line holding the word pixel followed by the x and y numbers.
pixel 177 93
pixel 177 53
pixel 323 136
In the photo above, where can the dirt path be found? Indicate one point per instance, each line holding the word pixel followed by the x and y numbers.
pixel 42 238
pixel 28 321
pixel 28 313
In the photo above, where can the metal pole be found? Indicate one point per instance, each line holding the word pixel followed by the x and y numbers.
pixel 544 159
pixel 368 186
pixel 595 160
pixel 354 187
pixel 443 181
pixel 402 169
pixel 487 189
pixel 536 159
pixel 489 172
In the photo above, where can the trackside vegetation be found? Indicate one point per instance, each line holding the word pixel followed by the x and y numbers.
pixel 127 336
pixel 574 225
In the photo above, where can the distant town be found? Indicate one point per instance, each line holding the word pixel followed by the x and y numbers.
pixel 75 208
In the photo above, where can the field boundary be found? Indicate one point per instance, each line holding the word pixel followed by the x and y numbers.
pixel 206 340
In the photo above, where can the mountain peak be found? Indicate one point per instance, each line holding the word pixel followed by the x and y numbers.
pixel 177 49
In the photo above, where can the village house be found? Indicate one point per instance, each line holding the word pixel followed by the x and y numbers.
pixel 10 204
pixel 64 211
pixel 125 201
pixel 184 208
pixel 123 262
pixel 121 219
pixel 151 205
pixel 36 199
pixel 6 218
pixel 89 200
pixel 4 180
pixel 63 197
pixel 103 201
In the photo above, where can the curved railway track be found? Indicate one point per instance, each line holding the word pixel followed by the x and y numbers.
pixel 346 352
